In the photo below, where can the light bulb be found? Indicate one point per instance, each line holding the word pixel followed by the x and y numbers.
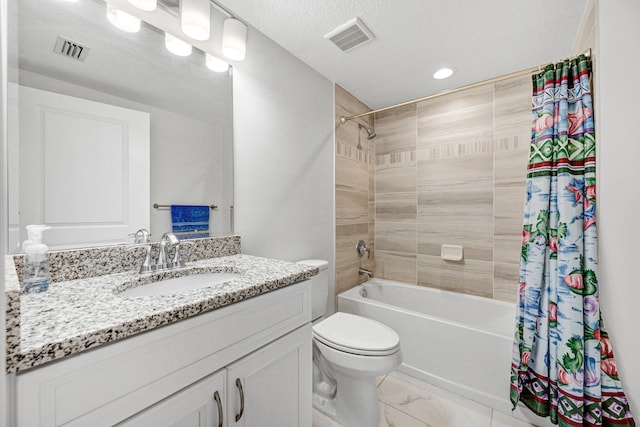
pixel 194 18
pixel 147 5
pixel 176 46
pixel 234 36
pixel 216 64
pixel 123 20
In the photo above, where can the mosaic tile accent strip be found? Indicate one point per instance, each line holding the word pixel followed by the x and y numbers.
pixel 442 151
pixel 400 157
pixel 350 152
pixel 86 313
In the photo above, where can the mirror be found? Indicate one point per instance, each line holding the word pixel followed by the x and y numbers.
pixel 189 110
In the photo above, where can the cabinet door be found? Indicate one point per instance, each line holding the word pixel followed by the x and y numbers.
pixel 271 387
pixel 199 405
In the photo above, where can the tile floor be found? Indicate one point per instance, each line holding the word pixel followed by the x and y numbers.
pixel 409 402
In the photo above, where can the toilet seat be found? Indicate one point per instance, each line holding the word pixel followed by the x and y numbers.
pixel 357 335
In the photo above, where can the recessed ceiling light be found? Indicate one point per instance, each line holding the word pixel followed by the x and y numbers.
pixel 443 73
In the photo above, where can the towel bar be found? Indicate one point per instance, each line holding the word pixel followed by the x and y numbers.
pixel 158 206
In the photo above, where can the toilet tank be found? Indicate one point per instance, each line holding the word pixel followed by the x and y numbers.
pixel 319 287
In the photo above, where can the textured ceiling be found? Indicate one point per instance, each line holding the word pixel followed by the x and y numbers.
pixel 480 39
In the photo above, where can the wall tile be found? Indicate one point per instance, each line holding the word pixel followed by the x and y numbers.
pixel 346 238
pixel 351 175
pixel 396 237
pixel 460 118
pixel 396 130
pixel 511 167
pixel 469 277
pixel 396 266
pixel 457 206
pixel 352 207
pixel 505 281
pixel 477 241
pixel 509 211
pixel 455 173
pixel 513 107
pixel 355 198
pixel 396 207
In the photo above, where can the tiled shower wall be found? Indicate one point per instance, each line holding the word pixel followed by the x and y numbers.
pixel 451 170
pixel 354 190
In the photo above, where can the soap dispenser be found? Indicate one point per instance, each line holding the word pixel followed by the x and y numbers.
pixel 35 276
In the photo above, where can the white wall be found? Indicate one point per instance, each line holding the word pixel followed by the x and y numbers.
pixel 617 92
pixel 283 155
pixel 4 223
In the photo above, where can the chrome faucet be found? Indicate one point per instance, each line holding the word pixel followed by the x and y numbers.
pixel 362 271
pixel 169 245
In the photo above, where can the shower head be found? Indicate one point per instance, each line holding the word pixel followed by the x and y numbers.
pixel 370 132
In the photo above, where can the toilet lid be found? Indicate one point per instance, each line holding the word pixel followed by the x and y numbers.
pixel 357 334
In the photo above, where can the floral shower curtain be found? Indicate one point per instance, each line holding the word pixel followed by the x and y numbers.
pixel 563 364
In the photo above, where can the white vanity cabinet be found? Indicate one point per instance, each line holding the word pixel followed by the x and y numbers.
pixel 255 354
pixel 199 405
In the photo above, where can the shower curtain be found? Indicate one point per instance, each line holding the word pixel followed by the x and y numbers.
pixel 563 364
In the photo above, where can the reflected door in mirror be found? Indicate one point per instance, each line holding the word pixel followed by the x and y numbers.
pixel 84 169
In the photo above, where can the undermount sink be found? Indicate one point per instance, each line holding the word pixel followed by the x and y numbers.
pixel 179 284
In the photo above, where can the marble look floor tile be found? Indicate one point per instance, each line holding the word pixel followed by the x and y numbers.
pixel 435 406
pixel 499 419
pixel 392 417
pixel 321 420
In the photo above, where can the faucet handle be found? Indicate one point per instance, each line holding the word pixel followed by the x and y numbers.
pixel 141 236
pixel 177 259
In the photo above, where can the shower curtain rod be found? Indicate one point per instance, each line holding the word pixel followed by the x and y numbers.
pixel 343 119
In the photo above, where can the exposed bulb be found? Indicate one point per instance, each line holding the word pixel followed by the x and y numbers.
pixel 194 18
pixel 123 20
pixel 234 36
pixel 176 46
pixel 146 5
pixel 216 64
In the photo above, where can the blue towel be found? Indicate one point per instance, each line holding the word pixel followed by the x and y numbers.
pixel 189 218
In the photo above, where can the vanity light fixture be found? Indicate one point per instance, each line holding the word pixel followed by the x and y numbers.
pixel 123 20
pixel 195 18
pixel 216 64
pixel 234 39
pixel 443 73
pixel 176 46
pixel 147 5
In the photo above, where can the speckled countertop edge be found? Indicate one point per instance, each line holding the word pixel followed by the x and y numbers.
pixel 78 315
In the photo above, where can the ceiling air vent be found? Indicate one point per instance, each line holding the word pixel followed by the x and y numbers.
pixel 350 35
pixel 71 49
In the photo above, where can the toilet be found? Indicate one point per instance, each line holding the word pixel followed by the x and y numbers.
pixel 349 352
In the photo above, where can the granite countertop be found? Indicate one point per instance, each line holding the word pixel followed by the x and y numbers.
pixel 76 315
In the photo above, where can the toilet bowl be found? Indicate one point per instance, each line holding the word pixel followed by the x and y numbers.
pixel 349 352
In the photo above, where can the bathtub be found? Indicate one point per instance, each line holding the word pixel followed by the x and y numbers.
pixel 461 343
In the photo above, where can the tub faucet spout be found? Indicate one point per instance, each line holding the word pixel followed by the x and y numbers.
pixel 365 271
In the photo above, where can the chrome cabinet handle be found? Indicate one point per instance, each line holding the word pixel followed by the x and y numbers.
pixel 216 397
pixel 239 386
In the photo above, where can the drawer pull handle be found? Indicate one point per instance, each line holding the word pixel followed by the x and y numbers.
pixel 239 386
pixel 216 397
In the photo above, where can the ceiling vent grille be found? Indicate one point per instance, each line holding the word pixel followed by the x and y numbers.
pixel 71 49
pixel 350 35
